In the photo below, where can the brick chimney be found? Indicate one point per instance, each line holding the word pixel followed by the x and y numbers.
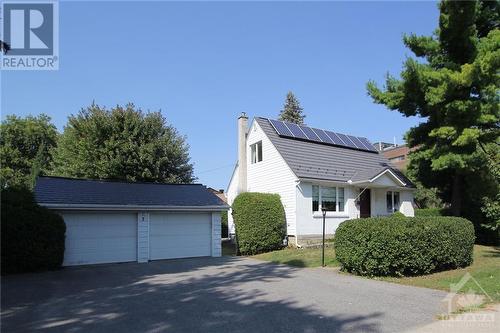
pixel 242 152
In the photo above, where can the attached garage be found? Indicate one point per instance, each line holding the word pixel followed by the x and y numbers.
pixel 110 222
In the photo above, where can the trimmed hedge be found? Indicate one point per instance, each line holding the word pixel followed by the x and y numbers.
pixel 259 219
pixel 32 236
pixel 386 246
pixel 429 212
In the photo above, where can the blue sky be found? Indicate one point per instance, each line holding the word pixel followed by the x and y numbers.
pixel 202 63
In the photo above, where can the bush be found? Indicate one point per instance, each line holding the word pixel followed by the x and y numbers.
pixel 398 214
pixel 429 212
pixel 259 219
pixel 224 226
pixel 404 246
pixel 32 236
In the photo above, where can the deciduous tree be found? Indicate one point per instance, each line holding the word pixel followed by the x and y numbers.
pixel 25 148
pixel 122 143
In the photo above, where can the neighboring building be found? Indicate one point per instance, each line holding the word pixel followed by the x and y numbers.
pixel 313 169
pixel 396 154
pixel 219 193
pixel 113 221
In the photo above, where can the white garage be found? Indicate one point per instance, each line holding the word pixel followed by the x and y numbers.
pixel 175 235
pixel 95 238
pixel 111 222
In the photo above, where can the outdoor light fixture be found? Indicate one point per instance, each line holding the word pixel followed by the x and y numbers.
pixel 323 210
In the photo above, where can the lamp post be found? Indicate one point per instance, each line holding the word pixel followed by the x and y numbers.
pixel 323 210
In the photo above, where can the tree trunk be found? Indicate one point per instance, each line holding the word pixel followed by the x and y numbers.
pixel 456 195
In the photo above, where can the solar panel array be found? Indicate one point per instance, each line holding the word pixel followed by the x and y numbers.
pixel 295 131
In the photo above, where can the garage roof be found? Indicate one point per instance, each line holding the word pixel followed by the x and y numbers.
pixel 59 192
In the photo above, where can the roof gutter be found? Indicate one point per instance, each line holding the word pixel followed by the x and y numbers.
pixel 213 208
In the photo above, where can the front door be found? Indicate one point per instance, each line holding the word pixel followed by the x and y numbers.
pixel 364 204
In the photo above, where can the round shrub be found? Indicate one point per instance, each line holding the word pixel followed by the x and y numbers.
pixel 386 246
pixel 32 236
pixel 259 219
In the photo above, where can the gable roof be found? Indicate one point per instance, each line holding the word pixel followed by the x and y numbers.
pixel 313 160
pixel 61 192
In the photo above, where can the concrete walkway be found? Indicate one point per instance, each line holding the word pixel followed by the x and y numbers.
pixel 210 295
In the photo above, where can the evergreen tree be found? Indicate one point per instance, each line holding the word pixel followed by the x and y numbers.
pixel 292 111
pixel 122 143
pixel 454 88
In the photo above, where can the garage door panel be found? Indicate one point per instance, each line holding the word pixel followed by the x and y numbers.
pixel 94 238
pixel 175 235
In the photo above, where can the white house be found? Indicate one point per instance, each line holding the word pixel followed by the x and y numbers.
pixel 313 169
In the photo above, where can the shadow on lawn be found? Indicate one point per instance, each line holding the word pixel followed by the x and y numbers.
pixel 493 252
pixel 180 295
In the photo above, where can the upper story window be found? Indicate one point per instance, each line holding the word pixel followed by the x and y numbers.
pixel 330 198
pixel 256 152
pixel 392 199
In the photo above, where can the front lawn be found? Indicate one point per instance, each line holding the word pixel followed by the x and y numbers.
pixel 307 257
pixel 485 270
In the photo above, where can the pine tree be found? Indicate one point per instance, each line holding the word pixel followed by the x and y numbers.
pixel 292 111
pixel 454 88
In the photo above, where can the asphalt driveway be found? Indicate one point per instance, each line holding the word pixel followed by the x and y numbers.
pixel 210 295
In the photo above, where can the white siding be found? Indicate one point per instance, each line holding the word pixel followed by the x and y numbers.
pixel 312 224
pixel 231 193
pixel 379 203
pixel 216 238
pixel 272 175
pixel 407 203
pixel 142 237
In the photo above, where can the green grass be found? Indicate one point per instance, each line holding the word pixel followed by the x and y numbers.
pixel 300 257
pixel 485 270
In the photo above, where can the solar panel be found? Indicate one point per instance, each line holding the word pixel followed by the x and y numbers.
pixel 280 128
pixel 291 130
pixel 310 134
pixel 335 138
pixel 322 135
pixel 356 141
pixel 367 144
pixel 296 131
pixel 346 140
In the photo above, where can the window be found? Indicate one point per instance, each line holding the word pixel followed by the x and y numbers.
pixel 397 158
pixel 392 199
pixel 330 198
pixel 256 152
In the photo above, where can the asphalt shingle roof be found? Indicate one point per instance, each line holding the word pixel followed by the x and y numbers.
pixel 327 162
pixel 68 191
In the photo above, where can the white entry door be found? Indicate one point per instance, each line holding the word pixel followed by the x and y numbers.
pixel 180 235
pixel 95 238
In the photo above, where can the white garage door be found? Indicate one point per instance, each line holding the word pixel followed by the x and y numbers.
pixel 179 235
pixel 95 238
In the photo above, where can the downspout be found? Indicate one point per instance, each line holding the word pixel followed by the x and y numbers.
pixel 297 183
